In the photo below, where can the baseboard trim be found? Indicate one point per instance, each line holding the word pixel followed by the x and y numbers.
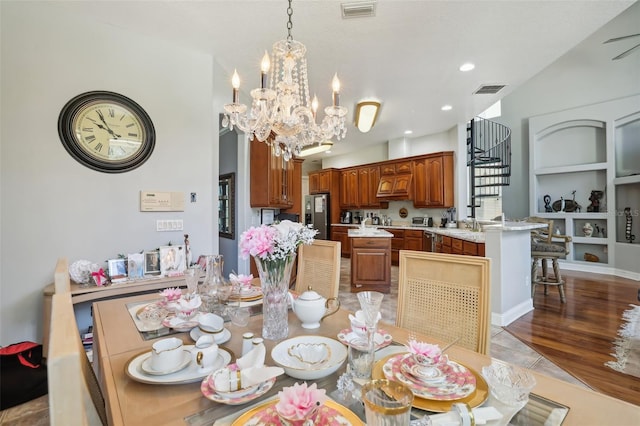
pixel 503 320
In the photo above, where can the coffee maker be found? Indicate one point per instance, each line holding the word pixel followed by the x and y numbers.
pixel 345 217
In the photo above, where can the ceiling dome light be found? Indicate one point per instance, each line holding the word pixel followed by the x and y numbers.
pixel 366 115
pixel 316 148
pixel 408 132
pixel 446 108
pixel 468 66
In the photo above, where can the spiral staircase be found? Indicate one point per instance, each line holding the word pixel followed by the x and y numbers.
pixel 488 160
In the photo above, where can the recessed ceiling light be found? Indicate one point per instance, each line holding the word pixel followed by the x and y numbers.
pixel 408 132
pixel 446 108
pixel 328 152
pixel 468 66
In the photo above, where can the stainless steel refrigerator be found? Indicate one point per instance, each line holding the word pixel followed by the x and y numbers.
pixel 316 214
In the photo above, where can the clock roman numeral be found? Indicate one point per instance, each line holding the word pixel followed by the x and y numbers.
pixel 98 147
pixel 133 135
pixel 130 125
pixel 87 129
pixel 90 138
pixel 123 116
pixel 111 112
pixel 91 119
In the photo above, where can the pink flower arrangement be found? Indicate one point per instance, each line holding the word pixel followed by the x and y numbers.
pixel 241 279
pixel 298 402
pixel 274 242
pixel 426 349
pixel 171 294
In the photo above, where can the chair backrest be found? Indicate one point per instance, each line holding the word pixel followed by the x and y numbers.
pixel 446 296
pixel 61 281
pixel 319 268
pixel 74 394
pixel 541 235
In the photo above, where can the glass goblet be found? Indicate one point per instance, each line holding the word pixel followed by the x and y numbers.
pixel 191 277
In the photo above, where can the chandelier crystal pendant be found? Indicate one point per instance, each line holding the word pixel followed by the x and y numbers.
pixel 285 107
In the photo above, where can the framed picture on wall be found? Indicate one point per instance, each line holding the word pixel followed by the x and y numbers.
pixel 267 216
pixel 152 262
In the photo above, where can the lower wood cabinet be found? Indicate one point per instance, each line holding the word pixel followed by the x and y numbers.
pixel 445 244
pixel 371 264
pixel 340 233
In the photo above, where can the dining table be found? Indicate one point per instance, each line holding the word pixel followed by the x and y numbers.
pixel 117 341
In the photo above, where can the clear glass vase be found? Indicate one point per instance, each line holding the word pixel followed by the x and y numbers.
pixel 214 291
pixel 274 279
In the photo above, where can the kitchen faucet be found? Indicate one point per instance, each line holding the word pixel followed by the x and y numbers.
pixel 363 223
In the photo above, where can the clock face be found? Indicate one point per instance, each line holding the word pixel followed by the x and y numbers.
pixel 106 131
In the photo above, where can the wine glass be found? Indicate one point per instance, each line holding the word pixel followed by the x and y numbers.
pixel 191 276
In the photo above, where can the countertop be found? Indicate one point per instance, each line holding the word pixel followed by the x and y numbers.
pixel 463 234
pixel 370 232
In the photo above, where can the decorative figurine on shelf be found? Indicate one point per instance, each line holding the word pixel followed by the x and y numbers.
pixel 547 204
pixel 568 206
pixel 595 198
pixel 187 250
pixel 587 229
pixel 627 229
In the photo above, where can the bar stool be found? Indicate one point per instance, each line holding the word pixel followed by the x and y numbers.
pixel 547 246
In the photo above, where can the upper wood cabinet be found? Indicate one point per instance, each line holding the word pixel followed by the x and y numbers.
pixel 395 180
pixel 322 181
pixel 272 178
pixel 368 179
pixel 433 181
pixel 349 188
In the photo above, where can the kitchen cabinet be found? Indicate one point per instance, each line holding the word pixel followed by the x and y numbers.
pixel 322 181
pixel 349 188
pixel 446 244
pixel 371 264
pixel 368 179
pixel 340 233
pixel 395 180
pixel 413 239
pixel 272 178
pixel 433 181
pixel 397 244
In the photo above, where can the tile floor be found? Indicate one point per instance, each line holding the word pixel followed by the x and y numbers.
pixel 504 346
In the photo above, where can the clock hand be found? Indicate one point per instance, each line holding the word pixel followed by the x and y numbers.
pixel 108 129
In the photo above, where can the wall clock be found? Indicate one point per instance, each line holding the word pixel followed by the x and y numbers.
pixel 106 131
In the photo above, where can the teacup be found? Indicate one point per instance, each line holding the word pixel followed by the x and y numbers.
pixel 210 323
pixel 166 354
pixel 205 352
pixel 358 323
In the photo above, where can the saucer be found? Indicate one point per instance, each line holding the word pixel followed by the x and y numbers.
pixel 221 337
pixel 428 375
pixel 146 365
pixel 382 338
pixel 191 373
pixel 235 398
pixel 180 325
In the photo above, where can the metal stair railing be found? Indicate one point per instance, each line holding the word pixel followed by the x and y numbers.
pixel 488 159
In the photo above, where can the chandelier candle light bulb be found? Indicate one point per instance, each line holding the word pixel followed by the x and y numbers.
pixel 235 83
pixel 264 69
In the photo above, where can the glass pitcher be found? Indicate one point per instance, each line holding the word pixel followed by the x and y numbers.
pixel 214 291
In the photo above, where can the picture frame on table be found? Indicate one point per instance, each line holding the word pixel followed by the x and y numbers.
pixel 117 270
pixel 172 260
pixel 152 262
pixel 135 269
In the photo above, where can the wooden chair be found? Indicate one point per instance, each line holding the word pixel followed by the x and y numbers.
pixel 545 246
pixel 75 397
pixel 446 296
pixel 319 268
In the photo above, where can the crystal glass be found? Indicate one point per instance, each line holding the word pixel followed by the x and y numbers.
pixel 274 279
pixel 370 302
pixel 191 277
pixel 387 403
pixel 509 388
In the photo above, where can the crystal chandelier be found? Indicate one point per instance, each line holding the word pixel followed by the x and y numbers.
pixel 284 107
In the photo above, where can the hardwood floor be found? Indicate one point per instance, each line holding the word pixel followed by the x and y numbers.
pixel 578 335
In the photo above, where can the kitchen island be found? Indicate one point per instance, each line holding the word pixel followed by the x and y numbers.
pixel 370 260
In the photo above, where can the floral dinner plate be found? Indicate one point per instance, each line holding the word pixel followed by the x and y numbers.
pixel 234 398
pixel 331 413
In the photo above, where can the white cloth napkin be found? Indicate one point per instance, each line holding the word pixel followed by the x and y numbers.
pixel 482 415
pixel 251 371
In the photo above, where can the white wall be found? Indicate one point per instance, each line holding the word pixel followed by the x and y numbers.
pixel 51 205
pixel 573 80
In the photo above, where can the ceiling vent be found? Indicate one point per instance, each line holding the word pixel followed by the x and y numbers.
pixel 489 89
pixel 359 9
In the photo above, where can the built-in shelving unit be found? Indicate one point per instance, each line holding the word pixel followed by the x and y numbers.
pixel 575 152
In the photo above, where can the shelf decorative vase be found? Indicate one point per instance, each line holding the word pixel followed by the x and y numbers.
pixel 587 229
pixel 275 275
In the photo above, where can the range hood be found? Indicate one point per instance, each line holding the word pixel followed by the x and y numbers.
pixel 395 187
